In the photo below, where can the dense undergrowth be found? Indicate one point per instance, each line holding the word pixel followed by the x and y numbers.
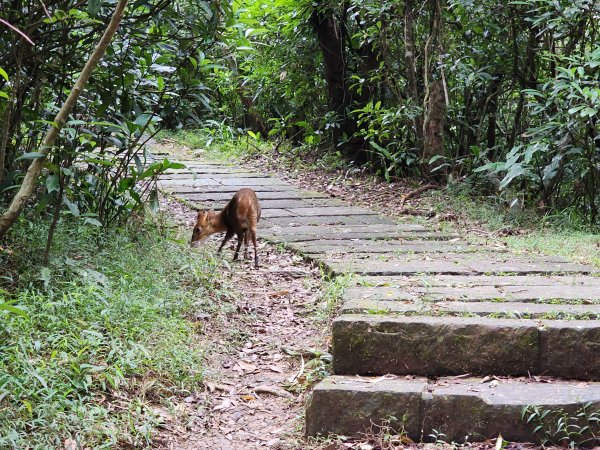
pixel 105 336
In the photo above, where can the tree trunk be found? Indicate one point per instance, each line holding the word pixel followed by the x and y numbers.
pixel 34 170
pixel 433 126
pixel 434 105
pixel 331 40
pixel 492 110
pixel 252 118
pixel 411 70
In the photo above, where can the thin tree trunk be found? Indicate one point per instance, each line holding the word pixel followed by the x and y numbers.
pixel 434 105
pixel 55 217
pixel 433 126
pixel 34 170
pixel 330 35
pixel 411 69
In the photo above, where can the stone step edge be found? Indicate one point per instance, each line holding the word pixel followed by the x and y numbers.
pixel 445 345
pixel 460 408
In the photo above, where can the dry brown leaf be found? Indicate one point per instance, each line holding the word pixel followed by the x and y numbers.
pixel 70 444
pixel 278 294
pixel 223 405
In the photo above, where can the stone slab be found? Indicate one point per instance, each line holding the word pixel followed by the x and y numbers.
pixel 267 203
pixel 274 212
pixel 347 230
pixel 183 191
pixel 574 346
pixel 289 235
pixel 458 265
pixel 347 405
pixel 486 309
pixel 476 280
pixel 324 210
pixel 461 409
pixel 544 293
pixel 329 220
pixel 436 346
pixel 264 195
pixel 445 345
pixel 205 170
pixel 332 246
pixel 214 181
pixel 210 174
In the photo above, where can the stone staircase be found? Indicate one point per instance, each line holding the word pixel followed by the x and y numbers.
pixel 427 316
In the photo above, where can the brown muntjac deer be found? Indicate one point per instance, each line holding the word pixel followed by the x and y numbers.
pixel 240 216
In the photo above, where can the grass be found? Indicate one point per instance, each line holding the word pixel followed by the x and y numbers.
pixel 552 235
pixel 224 144
pixel 105 337
pixel 216 143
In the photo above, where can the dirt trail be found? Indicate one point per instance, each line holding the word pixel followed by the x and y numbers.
pixel 262 350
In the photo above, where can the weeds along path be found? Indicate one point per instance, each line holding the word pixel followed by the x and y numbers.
pixel 264 346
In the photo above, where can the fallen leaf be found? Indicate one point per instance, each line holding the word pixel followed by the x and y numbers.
pixel 70 444
pixel 278 294
pixel 224 405
pixel 246 366
pixel 499 442
pixel 273 390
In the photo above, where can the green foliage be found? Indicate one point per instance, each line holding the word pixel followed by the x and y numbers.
pixel 151 76
pixel 560 160
pixel 566 428
pixel 104 335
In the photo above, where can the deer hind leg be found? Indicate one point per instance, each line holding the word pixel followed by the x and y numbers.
pixel 253 234
pixel 246 235
pixel 228 236
pixel 240 237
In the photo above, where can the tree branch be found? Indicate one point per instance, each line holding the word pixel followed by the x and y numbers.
pixel 34 170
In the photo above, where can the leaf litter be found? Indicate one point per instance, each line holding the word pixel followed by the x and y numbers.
pixel 257 345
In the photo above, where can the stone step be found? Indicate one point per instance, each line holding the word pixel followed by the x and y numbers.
pixel 447 345
pixel 341 247
pixel 378 231
pixel 189 190
pixel 509 310
pixel 225 196
pixel 452 409
pixel 543 293
pixel 452 264
pixel 498 281
pixel 237 182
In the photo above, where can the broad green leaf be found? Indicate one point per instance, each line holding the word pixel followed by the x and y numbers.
pixel 93 7
pixel 31 155
pixel 52 183
pixel 92 221
pixel 12 309
pixel 73 208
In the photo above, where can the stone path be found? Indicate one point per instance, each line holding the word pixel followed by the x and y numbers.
pixel 427 316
